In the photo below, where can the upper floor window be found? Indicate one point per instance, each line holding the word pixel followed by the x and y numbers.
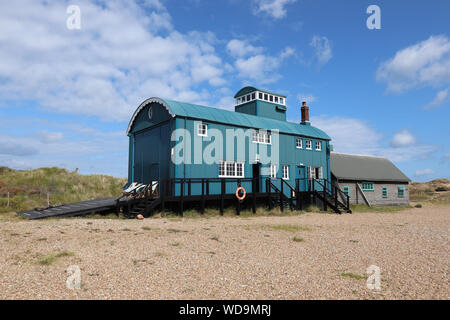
pixel 309 144
pixel 262 137
pixel 318 146
pixel 253 96
pixel 286 172
pixel 299 143
pixel 260 95
pixel 281 100
pixel 202 130
pixel 271 98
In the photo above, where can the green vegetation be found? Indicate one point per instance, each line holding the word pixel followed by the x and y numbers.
pixel 298 239
pixel 423 191
pixel 418 205
pixel 52 257
pixel 364 208
pixel 353 276
pixel 28 188
pixel 289 227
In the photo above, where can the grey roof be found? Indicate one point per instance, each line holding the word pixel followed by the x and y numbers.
pixel 365 168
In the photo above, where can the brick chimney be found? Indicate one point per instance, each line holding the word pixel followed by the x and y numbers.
pixel 305 113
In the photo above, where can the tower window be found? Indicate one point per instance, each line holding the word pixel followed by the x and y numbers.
pixel 260 95
pixel 276 99
pixel 281 100
pixel 271 98
pixel 266 96
pixel 253 96
pixel 308 144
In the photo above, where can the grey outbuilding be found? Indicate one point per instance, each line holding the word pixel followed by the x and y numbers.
pixel 369 180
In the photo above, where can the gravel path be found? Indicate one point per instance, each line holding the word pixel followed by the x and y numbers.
pixel 230 257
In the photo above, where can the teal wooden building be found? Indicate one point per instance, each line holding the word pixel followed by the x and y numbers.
pixel 168 141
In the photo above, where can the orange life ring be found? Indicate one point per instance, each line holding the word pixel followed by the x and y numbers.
pixel 243 195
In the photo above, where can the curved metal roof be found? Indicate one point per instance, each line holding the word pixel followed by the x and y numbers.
pixel 189 110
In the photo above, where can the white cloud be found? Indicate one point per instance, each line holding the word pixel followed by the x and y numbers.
pixel 424 172
pixel 91 150
pixel 440 98
pixel 322 48
pixel 121 55
pixel 309 98
pixel 274 8
pixel 49 137
pixel 241 48
pixel 262 68
pixel 426 63
pixel 403 138
pixel 350 135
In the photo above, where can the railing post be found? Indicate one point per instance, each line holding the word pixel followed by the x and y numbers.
pixel 281 195
pixel 202 210
pixel 335 197
pixel 254 194
pixel 182 196
pixel 348 202
pixel 325 195
pixel 189 187
pixel 222 193
pixel 163 195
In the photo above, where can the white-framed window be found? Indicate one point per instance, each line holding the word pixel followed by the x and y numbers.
pixel 318 146
pixel 262 137
pixel 309 144
pixel 273 171
pixel 299 143
pixel 202 129
pixel 315 173
pixel 286 172
pixel 281 100
pixel 231 169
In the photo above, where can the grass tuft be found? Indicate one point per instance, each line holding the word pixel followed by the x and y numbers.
pixel 353 276
pixel 289 227
pixel 298 239
pixel 52 257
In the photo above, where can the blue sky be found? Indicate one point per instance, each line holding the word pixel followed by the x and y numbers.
pixel 66 96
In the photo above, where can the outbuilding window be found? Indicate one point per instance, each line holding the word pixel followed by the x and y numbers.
pixel 202 130
pixel 401 191
pixel 231 169
pixel 368 186
pixel 346 191
pixel 384 192
pixel 298 143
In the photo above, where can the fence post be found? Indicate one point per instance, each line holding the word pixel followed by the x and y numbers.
pixel 254 194
pixel 281 195
pixel 7 204
pixel 222 193
pixel 48 199
pixel 203 197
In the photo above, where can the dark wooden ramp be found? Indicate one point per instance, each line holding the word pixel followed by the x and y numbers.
pixel 71 209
